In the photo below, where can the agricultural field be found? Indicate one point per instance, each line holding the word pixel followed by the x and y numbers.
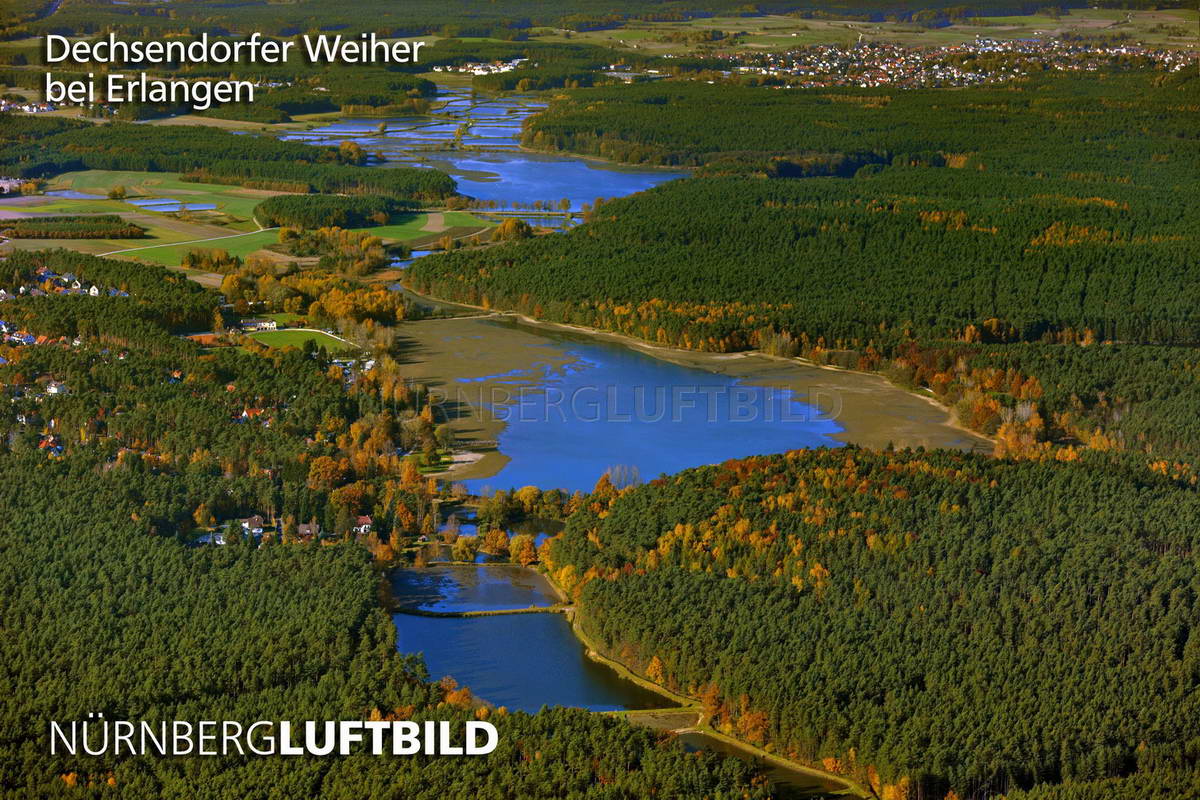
pixel 232 211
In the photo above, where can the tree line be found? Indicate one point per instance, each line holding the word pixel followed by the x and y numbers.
pixel 97 226
pixel 509 19
pixel 323 211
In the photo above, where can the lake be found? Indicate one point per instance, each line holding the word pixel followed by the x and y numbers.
pixel 614 408
pixel 521 661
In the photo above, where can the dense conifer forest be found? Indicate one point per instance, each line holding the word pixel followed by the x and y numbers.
pixel 928 622
pixel 320 211
pixel 1127 126
pixel 95 226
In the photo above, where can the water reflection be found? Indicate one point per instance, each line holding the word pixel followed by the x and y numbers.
pixel 790 782
pixel 457 588
pixel 616 406
pixel 522 661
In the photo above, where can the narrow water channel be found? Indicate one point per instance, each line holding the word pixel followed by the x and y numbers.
pixel 608 406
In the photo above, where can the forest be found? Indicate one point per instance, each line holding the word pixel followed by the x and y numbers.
pixel 96 226
pixel 104 613
pixel 1040 125
pixel 112 605
pixel 321 211
pixel 361 91
pixel 929 622
pixel 902 253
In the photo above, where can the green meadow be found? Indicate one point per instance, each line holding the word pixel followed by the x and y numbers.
pixel 171 255
pixel 297 338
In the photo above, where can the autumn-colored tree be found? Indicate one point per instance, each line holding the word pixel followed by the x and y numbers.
pixel 512 229
pixel 495 542
pixel 204 517
pixel 523 550
pixel 350 152
pixel 460 697
pixel 654 670
pixel 290 529
pixel 464 548
pixel 410 473
pixel 604 488
pixel 324 473
pixel 752 725
pixel 528 497
pixel 406 521
pixel 357 497
pixel 710 700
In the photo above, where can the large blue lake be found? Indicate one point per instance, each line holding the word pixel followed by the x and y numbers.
pixel 614 408
pixel 530 177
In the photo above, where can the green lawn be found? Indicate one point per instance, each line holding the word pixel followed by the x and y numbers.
pixel 284 319
pixel 63 205
pixel 456 219
pixel 402 231
pixel 414 227
pixel 297 338
pixel 171 255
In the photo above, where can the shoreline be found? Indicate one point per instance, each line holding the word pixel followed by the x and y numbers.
pixel 601 159
pixel 686 704
pixel 693 358
pixel 871 411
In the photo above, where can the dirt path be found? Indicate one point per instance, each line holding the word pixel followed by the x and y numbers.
pixel 435 222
